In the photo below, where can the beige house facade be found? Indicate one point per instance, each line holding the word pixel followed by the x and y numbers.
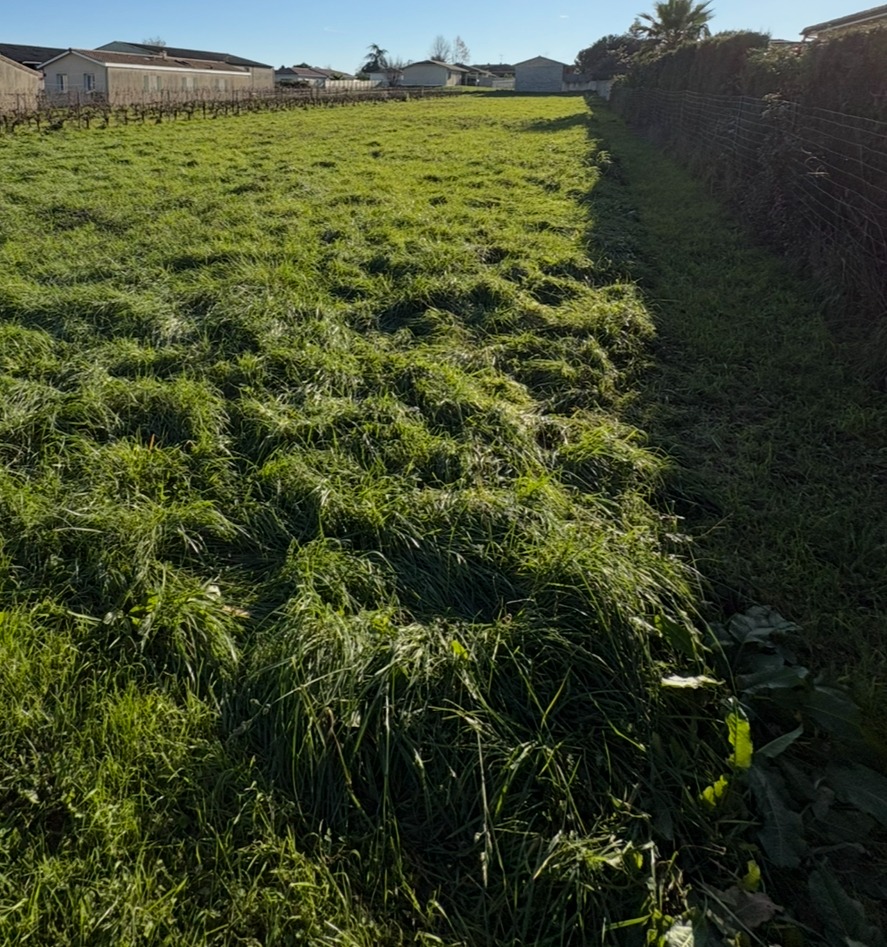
pixel 262 75
pixel 83 75
pixel 20 86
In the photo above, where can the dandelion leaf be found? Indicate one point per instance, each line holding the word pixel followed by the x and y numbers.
pixel 782 835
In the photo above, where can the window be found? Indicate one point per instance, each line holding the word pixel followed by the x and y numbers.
pixel 89 82
pixel 61 82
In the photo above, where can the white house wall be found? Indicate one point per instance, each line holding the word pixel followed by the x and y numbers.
pixel 149 85
pixel 492 82
pixel 350 85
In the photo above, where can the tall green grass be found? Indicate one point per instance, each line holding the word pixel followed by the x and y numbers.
pixel 334 604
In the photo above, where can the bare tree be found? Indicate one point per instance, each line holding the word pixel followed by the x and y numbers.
pixel 395 69
pixel 155 41
pixel 461 52
pixel 441 49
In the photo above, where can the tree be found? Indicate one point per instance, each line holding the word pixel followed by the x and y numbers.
pixel 673 22
pixel 609 56
pixel 461 52
pixel 394 70
pixel 441 49
pixel 376 59
pixel 155 41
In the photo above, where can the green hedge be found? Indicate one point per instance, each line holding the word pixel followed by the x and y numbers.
pixel 713 65
pixel 791 136
pixel 844 73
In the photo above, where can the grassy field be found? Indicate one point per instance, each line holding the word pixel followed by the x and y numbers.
pixel 334 607
pixel 341 601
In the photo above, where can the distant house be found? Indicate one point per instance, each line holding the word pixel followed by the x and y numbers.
pixel 491 75
pixel 315 77
pixel 20 86
pixel 539 74
pixel 433 72
pixel 262 75
pixel 122 78
pixel 336 75
pixel 842 24
pixel 299 76
pixel 502 70
pixel 474 75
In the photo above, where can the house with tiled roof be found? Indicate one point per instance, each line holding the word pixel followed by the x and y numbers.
pixel 123 78
pixel 261 73
pixel 299 76
pixel 335 74
pixel 501 70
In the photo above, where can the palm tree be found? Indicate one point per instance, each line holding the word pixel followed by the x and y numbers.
pixel 674 21
pixel 376 60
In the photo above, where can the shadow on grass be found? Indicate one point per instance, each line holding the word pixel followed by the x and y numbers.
pixel 553 125
pixel 776 444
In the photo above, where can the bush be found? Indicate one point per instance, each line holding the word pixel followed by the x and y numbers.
pixel 713 65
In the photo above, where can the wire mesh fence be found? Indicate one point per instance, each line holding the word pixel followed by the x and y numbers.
pixel 811 181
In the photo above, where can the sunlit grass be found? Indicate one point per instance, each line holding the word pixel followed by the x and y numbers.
pixel 334 603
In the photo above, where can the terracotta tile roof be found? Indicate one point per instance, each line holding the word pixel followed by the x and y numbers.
pixel 203 55
pixel 156 62
pixel 437 62
pixel 299 72
pixel 333 73
pixel 503 69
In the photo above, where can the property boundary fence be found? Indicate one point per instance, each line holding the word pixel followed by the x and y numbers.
pixel 812 181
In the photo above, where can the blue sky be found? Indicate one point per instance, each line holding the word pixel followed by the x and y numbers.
pixel 337 33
